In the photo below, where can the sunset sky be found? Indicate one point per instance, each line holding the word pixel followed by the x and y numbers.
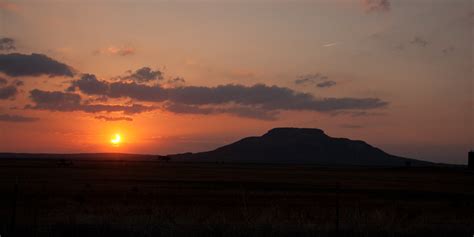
pixel 192 75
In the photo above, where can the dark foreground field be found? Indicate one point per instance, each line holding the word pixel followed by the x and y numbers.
pixel 120 198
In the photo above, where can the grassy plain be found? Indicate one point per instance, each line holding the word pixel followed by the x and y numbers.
pixel 151 198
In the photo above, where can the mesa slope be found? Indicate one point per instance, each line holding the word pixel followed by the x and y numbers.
pixel 301 146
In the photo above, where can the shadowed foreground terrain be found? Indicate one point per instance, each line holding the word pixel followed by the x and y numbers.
pixel 150 198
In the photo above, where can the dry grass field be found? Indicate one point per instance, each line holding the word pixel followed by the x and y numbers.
pixel 131 198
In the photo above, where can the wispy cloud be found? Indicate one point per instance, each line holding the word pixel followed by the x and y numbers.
pixel 419 41
pixel 376 5
pixel 116 50
pixel 17 118
pixel 7 44
pixel 175 82
pixel 355 113
pixel 317 79
pixel 310 78
pixel 448 50
pixel 326 84
pixel 330 44
pixel 113 119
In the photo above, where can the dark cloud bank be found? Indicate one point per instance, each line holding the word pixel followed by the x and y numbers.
pixel 16 65
pixel 258 101
pixel 68 102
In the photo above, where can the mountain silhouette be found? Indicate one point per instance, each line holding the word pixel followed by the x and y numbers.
pixel 301 146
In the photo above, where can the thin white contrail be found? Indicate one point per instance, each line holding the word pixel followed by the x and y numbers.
pixel 330 44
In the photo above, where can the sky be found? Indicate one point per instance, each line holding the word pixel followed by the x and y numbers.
pixel 174 76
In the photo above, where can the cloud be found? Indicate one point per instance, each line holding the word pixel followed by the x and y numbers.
pixel 17 65
pixel 16 118
pixel 55 101
pixel 376 5
pixel 144 74
pixel 125 109
pixel 121 51
pixel 89 84
pixel 259 101
pixel 250 112
pixel 317 79
pixel 187 109
pixel 356 113
pixel 310 78
pixel 7 44
pixel 239 111
pixel 116 50
pixel 330 44
pixel 176 82
pixel 326 84
pixel 18 83
pixel 68 102
pixel 418 41
pixel 95 99
pixel 113 119
pixel 448 50
pixel 257 96
pixel 8 92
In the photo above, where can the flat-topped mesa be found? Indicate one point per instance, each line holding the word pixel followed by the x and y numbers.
pixel 301 146
pixel 292 132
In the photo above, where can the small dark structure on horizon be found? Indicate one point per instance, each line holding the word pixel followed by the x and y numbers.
pixel 65 163
pixel 470 162
pixel 164 158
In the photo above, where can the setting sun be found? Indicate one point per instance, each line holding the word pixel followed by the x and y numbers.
pixel 116 140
